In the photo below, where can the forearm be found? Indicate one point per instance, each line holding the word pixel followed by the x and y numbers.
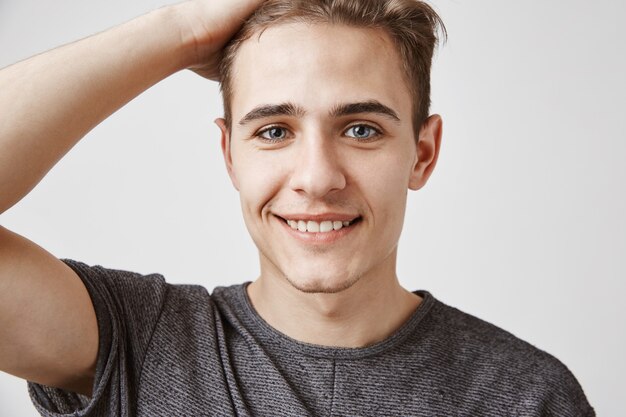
pixel 49 102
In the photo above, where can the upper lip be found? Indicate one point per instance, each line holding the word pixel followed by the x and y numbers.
pixel 319 217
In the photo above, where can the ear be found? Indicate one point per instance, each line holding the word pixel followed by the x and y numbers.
pixel 226 151
pixel 427 151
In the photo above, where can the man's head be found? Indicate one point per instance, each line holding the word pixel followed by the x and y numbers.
pixel 321 141
pixel 412 26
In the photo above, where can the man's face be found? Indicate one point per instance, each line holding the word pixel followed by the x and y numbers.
pixel 322 139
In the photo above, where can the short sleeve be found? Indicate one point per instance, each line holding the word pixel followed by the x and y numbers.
pixel 563 394
pixel 127 306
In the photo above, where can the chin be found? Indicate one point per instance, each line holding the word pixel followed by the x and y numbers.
pixel 321 284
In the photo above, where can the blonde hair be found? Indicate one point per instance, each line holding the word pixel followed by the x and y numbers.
pixel 412 25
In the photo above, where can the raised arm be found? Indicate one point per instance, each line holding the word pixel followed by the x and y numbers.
pixel 48 329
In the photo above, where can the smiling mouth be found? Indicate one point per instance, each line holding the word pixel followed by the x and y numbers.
pixel 325 226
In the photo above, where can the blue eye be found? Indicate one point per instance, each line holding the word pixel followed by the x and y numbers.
pixel 362 132
pixel 273 134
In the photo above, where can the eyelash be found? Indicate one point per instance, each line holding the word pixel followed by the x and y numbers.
pixel 377 132
pixel 267 129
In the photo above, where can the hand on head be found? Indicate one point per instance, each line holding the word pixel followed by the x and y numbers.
pixel 209 25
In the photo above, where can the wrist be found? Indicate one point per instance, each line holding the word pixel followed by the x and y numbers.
pixel 171 21
pixel 182 17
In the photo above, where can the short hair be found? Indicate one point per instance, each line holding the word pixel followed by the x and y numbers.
pixel 412 25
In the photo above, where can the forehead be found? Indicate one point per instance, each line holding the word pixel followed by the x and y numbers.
pixel 318 66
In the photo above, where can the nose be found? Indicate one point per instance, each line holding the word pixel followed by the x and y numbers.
pixel 317 170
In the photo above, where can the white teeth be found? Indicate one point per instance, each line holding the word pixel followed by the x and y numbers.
pixel 311 226
pixel 326 226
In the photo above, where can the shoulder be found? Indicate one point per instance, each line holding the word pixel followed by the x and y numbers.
pixel 490 356
pixel 484 340
pixel 116 279
pixel 138 300
pixel 478 342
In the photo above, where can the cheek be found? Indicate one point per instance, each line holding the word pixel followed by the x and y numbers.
pixel 259 178
pixel 384 180
pixel 384 186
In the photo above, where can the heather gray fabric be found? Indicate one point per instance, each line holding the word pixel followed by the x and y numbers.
pixel 174 350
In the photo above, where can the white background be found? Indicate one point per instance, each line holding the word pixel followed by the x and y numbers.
pixel 522 223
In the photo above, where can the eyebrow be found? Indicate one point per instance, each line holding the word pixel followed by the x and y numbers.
pixel 344 109
pixel 371 106
pixel 270 110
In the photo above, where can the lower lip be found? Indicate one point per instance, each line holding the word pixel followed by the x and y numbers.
pixel 318 238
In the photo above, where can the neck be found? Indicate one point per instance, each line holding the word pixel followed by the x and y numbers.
pixel 366 313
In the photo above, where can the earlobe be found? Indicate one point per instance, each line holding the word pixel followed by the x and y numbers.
pixel 427 150
pixel 226 151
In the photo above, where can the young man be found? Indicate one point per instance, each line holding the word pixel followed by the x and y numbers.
pixel 326 127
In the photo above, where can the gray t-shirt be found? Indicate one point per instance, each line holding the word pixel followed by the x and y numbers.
pixel 176 350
